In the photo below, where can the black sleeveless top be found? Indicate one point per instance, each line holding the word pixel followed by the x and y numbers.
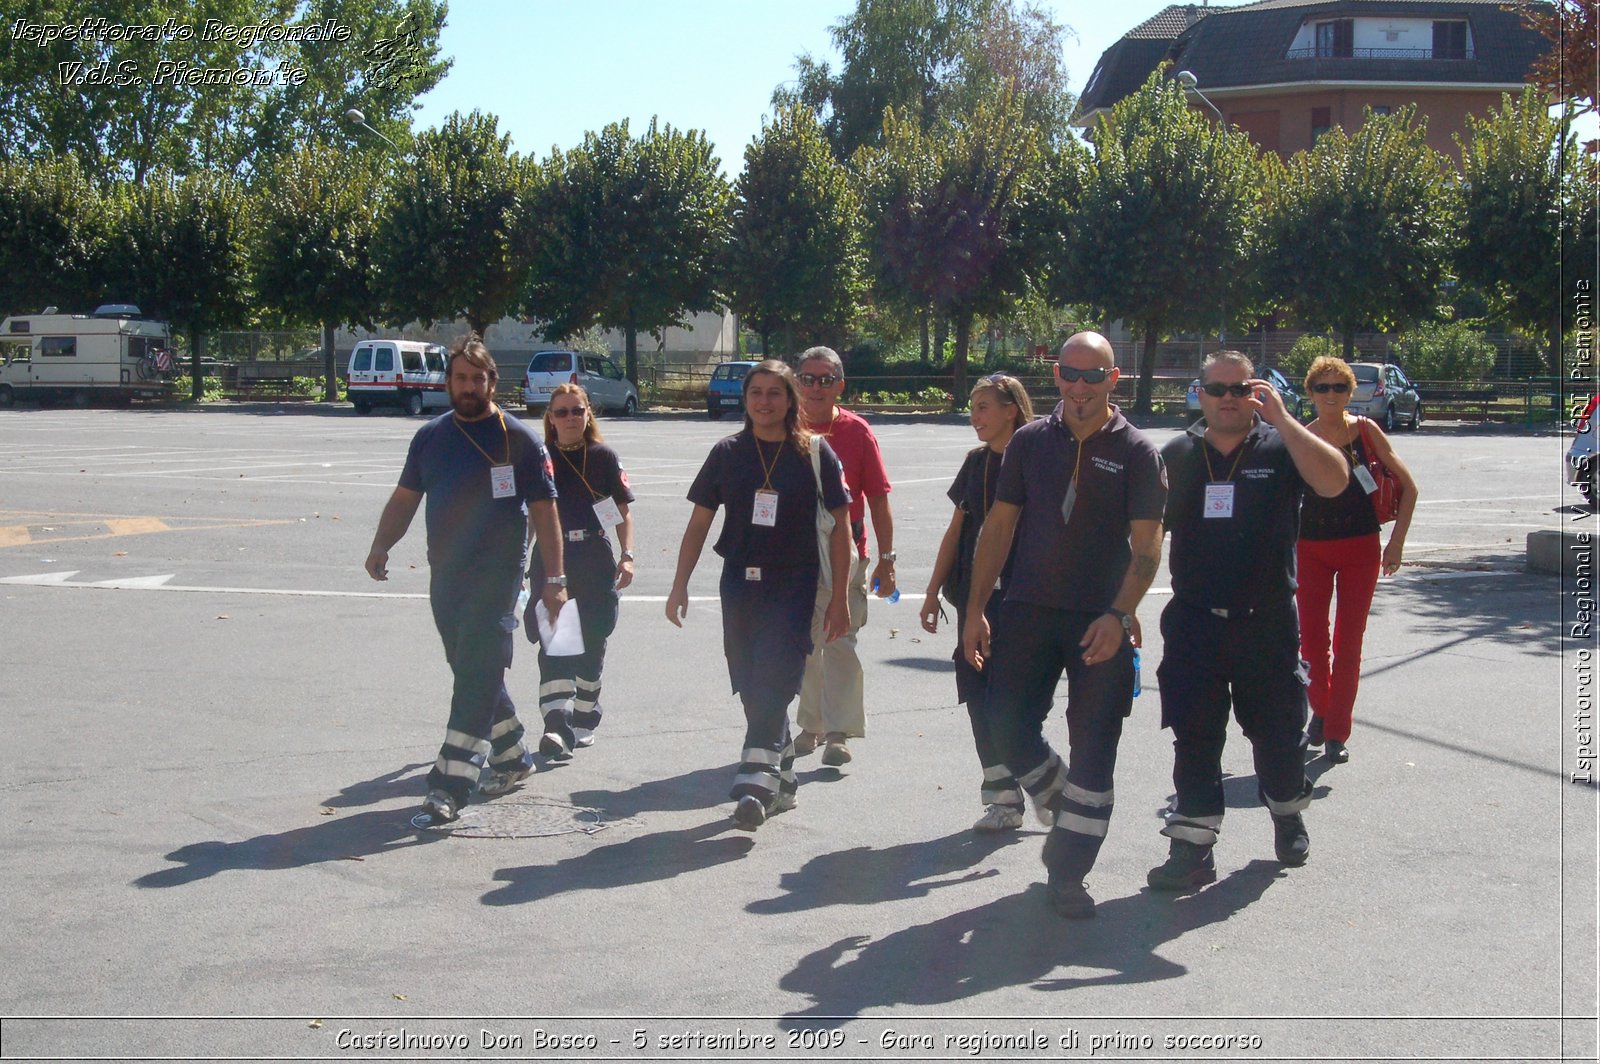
pixel 1347 514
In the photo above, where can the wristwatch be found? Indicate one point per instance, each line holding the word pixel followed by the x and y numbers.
pixel 557 581
pixel 1127 622
pixel 626 556
pixel 888 556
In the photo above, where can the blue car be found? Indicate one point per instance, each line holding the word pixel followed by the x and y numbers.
pixel 726 390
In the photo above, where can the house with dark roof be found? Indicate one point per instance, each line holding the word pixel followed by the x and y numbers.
pixel 1285 71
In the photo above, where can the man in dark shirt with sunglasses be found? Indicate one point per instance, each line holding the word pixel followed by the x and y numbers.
pixel 1230 633
pixel 1082 492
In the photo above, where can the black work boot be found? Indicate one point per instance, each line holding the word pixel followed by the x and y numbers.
pixel 1069 898
pixel 1289 838
pixel 1189 865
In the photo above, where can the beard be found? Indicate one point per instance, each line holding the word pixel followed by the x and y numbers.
pixel 470 407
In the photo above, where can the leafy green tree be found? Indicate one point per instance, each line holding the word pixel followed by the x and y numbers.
pixel 932 60
pixel 180 250
pixel 53 232
pixel 1517 169
pixel 313 259
pixel 450 240
pixel 1164 217
pixel 944 212
pixel 1452 351
pixel 794 258
pixel 174 96
pixel 1306 350
pixel 625 233
pixel 1357 229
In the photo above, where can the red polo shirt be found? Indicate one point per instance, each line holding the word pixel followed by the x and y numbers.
pixel 864 474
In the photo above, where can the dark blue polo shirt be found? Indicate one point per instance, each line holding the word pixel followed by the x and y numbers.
pixel 741 465
pixel 1078 564
pixel 1245 561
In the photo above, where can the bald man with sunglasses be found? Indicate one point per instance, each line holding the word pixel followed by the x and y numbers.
pixel 1081 492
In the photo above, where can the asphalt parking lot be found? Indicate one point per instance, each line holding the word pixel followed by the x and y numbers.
pixel 216 728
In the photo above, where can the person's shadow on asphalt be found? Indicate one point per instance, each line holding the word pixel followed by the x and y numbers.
pixel 700 789
pixel 381 788
pixel 1014 941
pixel 862 875
pixel 643 859
pixel 340 838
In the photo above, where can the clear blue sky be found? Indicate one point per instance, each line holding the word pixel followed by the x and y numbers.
pixel 552 70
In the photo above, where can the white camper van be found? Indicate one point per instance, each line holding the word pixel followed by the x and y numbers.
pixel 404 373
pixel 110 355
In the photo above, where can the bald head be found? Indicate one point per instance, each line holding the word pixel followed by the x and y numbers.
pixel 1087 344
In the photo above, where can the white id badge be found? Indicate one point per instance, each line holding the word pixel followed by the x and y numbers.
pixel 1363 477
pixel 766 511
pixel 1219 500
pixel 504 480
pixel 606 510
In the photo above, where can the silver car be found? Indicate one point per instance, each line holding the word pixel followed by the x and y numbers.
pixel 1386 395
pixel 609 389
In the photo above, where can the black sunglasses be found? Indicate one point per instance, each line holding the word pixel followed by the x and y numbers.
pixel 570 411
pixel 811 380
pixel 1331 386
pixel 1091 376
pixel 1217 391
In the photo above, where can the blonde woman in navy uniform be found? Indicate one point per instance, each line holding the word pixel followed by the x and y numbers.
pixel 764 478
pixel 593 497
pixel 999 407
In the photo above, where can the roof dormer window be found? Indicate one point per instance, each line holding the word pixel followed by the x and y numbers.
pixel 1336 40
pixel 1450 39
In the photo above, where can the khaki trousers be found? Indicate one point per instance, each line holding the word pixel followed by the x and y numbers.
pixel 833 695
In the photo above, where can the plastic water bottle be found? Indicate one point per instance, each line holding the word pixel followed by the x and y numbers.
pixel 1136 687
pixel 522 599
pixel 894 596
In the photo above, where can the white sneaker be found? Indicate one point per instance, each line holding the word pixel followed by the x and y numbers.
pixel 783 803
pixel 583 738
pixel 999 818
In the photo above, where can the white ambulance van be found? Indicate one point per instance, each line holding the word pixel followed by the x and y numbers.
pixel 111 355
pixel 403 373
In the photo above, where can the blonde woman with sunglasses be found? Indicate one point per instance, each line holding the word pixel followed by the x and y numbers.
pixel 998 408
pixel 593 497
pixel 1338 549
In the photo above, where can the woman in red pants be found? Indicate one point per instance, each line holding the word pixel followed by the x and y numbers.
pixel 1339 550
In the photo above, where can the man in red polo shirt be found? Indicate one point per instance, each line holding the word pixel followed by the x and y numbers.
pixel 832 696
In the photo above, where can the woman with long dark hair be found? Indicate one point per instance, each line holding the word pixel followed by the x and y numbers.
pixel 771 478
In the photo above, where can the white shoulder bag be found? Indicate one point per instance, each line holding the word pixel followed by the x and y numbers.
pixel 825 521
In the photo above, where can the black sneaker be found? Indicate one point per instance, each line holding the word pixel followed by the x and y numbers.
pixel 749 813
pixel 1289 838
pixel 1314 731
pixel 1336 752
pixel 1188 866
pixel 1069 899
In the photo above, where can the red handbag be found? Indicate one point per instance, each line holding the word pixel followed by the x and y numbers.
pixel 1386 500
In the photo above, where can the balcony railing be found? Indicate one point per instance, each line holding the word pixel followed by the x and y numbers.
pixel 1377 53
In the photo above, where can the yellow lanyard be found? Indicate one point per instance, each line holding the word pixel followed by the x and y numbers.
pixel 1205 451
pixel 766 480
pixel 480 450
pixel 582 473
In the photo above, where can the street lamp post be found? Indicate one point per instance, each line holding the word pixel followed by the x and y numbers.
pixel 354 115
pixel 1191 83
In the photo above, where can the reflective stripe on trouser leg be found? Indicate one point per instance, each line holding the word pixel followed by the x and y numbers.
pixel 759 773
pixel 586 708
pixel 999 787
pixel 556 699
pixel 505 740
pixel 1044 783
pixel 766 764
pixel 1082 819
pixel 1293 805
pixel 1200 830
pixel 461 755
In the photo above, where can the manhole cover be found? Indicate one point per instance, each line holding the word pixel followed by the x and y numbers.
pixel 518 818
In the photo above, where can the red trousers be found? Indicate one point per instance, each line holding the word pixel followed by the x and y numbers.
pixel 1352 564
